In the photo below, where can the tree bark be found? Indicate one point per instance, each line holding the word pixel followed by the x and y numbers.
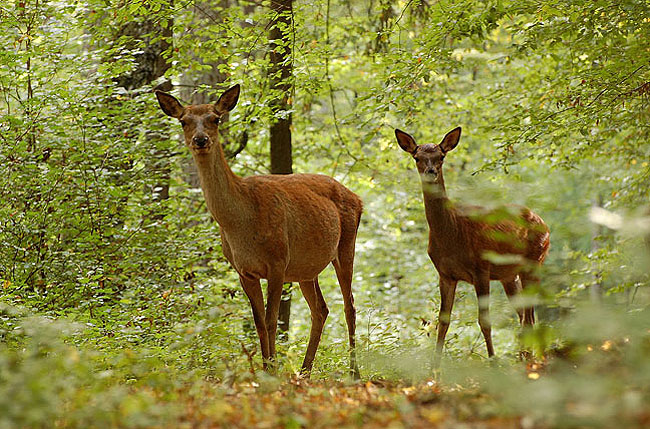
pixel 596 290
pixel 281 86
pixel 280 72
pixel 386 13
pixel 151 65
pixel 204 13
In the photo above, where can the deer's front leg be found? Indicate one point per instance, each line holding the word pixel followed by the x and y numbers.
pixel 274 296
pixel 447 293
pixel 253 291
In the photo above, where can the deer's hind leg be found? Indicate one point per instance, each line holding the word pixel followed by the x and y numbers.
pixel 318 307
pixel 529 280
pixel 482 287
pixel 513 288
pixel 343 265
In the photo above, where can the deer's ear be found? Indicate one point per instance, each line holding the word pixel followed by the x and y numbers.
pixel 450 141
pixel 406 142
pixel 169 104
pixel 228 100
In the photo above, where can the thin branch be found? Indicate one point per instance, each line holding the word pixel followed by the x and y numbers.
pixel 331 89
pixel 399 18
pixel 243 141
pixel 618 83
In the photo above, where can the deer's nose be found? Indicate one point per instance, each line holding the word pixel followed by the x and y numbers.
pixel 430 170
pixel 200 140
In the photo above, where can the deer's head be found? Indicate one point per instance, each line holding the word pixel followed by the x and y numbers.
pixel 429 157
pixel 201 121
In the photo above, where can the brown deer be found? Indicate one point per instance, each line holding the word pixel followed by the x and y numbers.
pixel 474 244
pixel 282 228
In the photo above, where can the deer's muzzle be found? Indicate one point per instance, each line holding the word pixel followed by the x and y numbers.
pixel 200 141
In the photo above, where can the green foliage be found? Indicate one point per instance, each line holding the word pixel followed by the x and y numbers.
pixel 598 376
pixel 43 380
pixel 116 296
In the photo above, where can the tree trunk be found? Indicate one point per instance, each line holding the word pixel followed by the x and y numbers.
pixel 204 13
pixel 151 65
pixel 280 39
pixel 596 290
pixel 381 40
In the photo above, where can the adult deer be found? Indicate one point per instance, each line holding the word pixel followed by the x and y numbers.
pixel 467 242
pixel 283 228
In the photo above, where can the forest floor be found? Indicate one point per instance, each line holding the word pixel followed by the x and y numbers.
pixel 319 404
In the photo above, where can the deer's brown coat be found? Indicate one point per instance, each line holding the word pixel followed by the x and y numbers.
pixel 283 228
pixel 464 240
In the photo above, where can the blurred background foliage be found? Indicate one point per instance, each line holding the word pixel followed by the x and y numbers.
pixel 111 271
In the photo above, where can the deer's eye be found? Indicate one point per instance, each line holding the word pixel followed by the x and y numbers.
pixel 183 123
pixel 416 158
pixel 217 121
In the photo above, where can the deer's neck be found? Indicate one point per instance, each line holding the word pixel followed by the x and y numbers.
pixel 440 214
pixel 222 189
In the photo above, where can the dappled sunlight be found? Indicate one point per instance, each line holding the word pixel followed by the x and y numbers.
pixel 123 251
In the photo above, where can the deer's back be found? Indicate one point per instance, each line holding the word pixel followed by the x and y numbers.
pixel 501 240
pixel 298 220
pixel 305 192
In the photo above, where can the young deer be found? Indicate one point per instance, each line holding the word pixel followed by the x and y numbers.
pixel 465 241
pixel 283 228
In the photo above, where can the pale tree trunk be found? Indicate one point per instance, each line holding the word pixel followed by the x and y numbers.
pixel 210 13
pixel 203 13
pixel 151 66
pixel 280 40
pixel 596 290
pixel 385 14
